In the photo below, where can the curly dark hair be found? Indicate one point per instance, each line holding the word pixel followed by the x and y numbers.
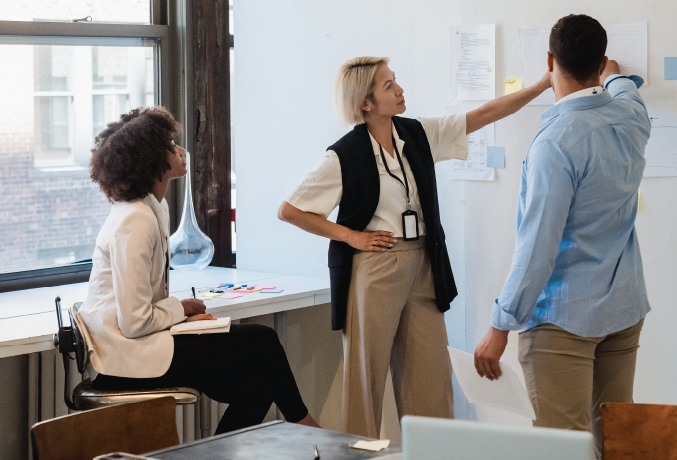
pixel 130 155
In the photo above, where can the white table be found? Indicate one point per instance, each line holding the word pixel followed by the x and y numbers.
pixel 28 317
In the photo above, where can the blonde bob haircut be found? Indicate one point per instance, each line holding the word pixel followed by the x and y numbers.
pixel 354 83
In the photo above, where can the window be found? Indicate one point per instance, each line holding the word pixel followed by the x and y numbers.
pixel 66 82
pixel 96 82
pixel 124 11
pixel 64 96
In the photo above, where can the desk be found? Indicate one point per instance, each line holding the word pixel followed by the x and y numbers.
pixel 28 320
pixel 273 441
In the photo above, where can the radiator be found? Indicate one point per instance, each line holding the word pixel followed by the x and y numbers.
pixel 45 399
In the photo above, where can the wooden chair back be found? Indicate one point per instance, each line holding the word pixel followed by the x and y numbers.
pixel 134 428
pixel 639 431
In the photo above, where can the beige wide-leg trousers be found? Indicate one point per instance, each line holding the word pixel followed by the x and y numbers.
pixel 568 377
pixel 393 321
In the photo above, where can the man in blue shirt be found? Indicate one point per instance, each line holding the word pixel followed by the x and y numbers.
pixel 576 290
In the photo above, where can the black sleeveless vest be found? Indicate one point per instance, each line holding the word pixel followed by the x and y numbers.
pixel 361 189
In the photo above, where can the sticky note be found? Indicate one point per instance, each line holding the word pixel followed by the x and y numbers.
pixel 231 295
pixel 267 287
pixel 495 157
pixel 670 68
pixel 208 295
pixel 373 446
pixel 271 291
pixel 240 290
pixel 512 85
pixel 640 205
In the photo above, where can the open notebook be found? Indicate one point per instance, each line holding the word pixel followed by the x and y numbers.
pixel 208 326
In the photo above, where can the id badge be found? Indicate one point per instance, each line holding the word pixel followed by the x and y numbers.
pixel 410 225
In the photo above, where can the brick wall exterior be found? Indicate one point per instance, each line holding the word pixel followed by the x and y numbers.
pixel 46 217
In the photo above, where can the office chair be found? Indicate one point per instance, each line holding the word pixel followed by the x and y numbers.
pixel 634 431
pixel 134 428
pixel 70 339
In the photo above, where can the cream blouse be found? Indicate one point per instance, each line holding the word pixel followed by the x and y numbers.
pixel 321 190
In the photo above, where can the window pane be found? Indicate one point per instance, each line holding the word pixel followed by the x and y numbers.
pixel 122 11
pixel 231 23
pixel 56 100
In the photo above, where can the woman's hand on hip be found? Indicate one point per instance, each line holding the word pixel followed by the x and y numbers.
pixel 377 241
pixel 192 307
pixel 200 318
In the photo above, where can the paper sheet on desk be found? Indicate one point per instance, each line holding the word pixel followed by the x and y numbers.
pixel 373 446
pixel 506 393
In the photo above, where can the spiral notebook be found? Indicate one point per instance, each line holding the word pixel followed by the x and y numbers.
pixel 208 326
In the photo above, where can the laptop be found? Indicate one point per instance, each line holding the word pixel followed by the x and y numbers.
pixel 425 438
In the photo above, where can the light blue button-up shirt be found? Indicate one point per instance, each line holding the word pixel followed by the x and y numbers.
pixel 577 263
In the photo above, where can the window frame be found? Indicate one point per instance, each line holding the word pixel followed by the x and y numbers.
pixel 168 19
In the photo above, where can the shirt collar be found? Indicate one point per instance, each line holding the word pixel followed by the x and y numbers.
pixel 161 211
pixel 579 103
pixel 582 93
pixel 377 148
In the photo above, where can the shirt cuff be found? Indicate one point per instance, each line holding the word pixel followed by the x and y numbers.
pixel 637 80
pixel 501 320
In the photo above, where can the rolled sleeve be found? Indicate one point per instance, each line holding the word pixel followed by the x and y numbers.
pixel 447 137
pixel 321 190
pixel 621 87
pixel 501 320
pixel 550 188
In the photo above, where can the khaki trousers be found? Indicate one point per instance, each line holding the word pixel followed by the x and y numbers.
pixel 568 376
pixel 393 321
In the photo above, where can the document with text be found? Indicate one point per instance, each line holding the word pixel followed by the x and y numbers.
pixel 473 62
pixel 661 150
pixel 476 166
pixel 627 44
pixel 534 45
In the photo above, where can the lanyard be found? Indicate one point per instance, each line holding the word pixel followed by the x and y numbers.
pixel 405 184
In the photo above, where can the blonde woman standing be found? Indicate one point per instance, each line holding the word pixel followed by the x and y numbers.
pixel 391 278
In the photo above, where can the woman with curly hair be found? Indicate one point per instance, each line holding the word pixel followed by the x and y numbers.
pixel 128 310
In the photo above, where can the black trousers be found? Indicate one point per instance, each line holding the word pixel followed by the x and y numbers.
pixel 246 368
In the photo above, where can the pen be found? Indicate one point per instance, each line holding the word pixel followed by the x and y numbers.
pixel 317 452
pixel 193 289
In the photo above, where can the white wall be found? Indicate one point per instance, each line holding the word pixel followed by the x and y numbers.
pixel 287 55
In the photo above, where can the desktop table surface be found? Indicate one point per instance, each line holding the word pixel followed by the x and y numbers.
pixel 28 318
pixel 274 441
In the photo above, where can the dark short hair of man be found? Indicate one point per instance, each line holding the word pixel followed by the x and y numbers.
pixel 578 43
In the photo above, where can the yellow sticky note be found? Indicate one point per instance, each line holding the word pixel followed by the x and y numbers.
pixel 513 85
pixel 208 295
pixel 640 205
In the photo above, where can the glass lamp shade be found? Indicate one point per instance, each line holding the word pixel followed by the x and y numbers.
pixel 189 247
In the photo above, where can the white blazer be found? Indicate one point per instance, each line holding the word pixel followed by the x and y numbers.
pixel 128 310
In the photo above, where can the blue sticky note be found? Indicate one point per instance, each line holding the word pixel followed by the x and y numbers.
pixel 271 291
pixel 671 68
pixel 495 157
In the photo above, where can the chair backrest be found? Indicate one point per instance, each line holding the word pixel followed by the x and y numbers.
pixel 134 428
pixel 633 431
pixel 81 349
